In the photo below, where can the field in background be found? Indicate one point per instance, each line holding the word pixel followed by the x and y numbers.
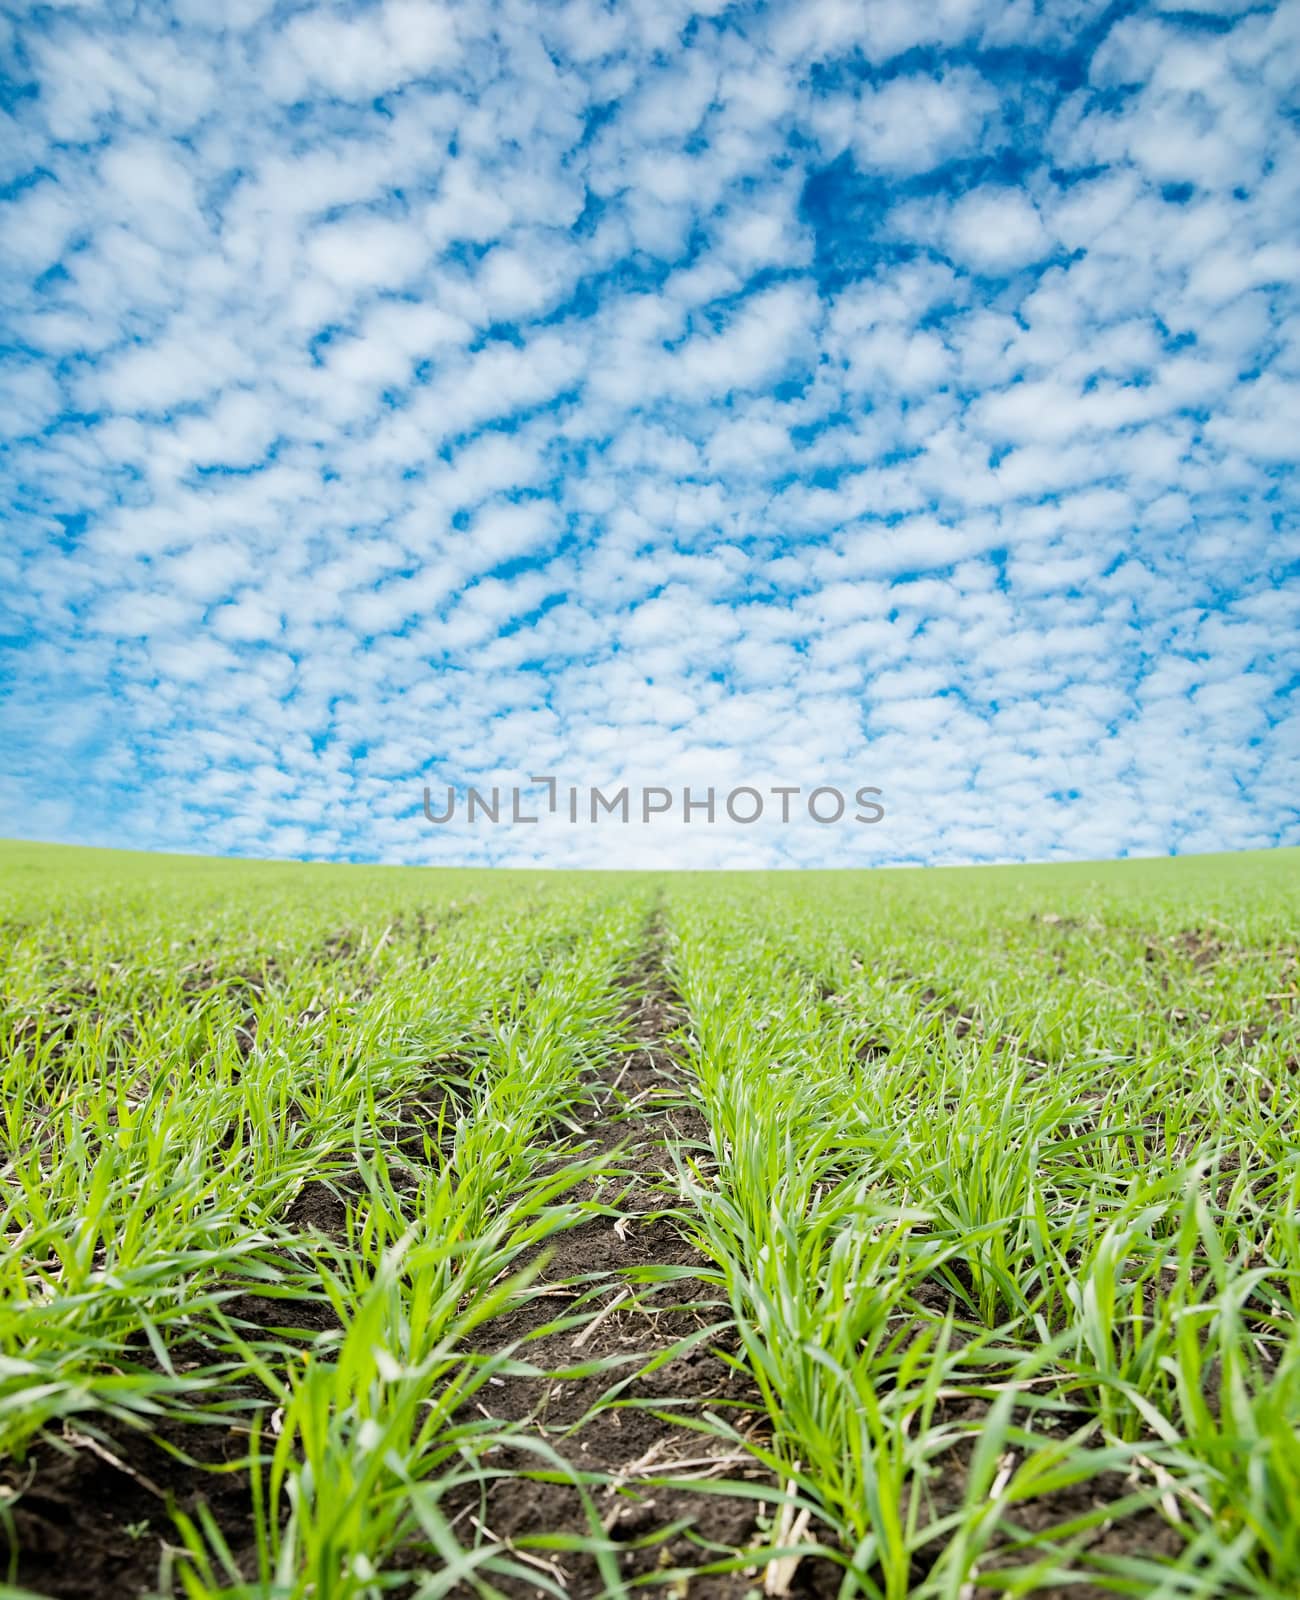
pixel 395 1231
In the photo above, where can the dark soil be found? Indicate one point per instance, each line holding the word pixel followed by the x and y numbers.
pixel 1202 949
pixel 1140 1532
pixel 91 1522
pixel 625 1424
pixel 89 1509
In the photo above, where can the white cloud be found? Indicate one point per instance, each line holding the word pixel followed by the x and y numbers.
pixel 501 532
pixel 361 56
pixel 367 252
pixel 997 230
pixel 912 123
pixel 758 344
pixel 249 618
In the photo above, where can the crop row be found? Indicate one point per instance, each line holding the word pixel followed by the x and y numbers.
pixel 988 1205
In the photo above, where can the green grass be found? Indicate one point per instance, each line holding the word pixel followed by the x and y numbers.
pixel 1000 1197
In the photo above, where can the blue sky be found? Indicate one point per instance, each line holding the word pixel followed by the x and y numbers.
pixel 800 393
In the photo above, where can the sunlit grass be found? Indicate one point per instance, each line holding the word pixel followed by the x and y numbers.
pixel 1001 1195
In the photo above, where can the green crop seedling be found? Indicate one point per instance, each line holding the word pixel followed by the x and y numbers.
pixel 391 1232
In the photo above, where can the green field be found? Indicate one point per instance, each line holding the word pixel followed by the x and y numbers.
pixel 379 1231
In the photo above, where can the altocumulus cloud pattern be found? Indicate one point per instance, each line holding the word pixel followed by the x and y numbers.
pixel 822 392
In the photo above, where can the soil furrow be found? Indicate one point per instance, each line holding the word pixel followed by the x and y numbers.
pixel 627 1423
